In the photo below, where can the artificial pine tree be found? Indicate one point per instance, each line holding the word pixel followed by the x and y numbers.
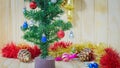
pixel 46 27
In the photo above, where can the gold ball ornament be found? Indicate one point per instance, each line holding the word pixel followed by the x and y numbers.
pixel 24 55
pixel 86 55
pixel 68 5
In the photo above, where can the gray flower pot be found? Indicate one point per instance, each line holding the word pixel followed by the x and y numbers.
pixel 44 63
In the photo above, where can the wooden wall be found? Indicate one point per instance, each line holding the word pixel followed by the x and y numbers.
pixel 94 20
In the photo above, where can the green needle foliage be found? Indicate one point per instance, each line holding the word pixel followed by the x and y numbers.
pixel 46 21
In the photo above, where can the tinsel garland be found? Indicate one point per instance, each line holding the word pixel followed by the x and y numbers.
pixel 111 59
pixel 34 50
pixel 99 51
pixel 11 50
pixel 105 56
pixel 58 48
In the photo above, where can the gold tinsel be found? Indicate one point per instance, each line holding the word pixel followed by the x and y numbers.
pixel 81 46
pixel 64 3
pixel 23 45
pixel 98 49
pixel 68 5
pixel 59 52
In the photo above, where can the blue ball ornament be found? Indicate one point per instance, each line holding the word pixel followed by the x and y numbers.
pixel 95 65
pixel 24 26
pixel 90 65
pixel 44 39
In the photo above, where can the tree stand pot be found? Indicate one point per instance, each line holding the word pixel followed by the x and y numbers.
pixel 44 63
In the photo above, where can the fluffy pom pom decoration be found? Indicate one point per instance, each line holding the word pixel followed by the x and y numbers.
pixel 110 59
pixel 10 50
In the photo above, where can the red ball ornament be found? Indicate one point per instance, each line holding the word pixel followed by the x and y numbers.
pixel 33 5
pixel 60 34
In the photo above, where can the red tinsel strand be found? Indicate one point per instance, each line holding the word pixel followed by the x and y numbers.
pixel 110 60
pixel 60 44
pixel 35 51
pixel 11 50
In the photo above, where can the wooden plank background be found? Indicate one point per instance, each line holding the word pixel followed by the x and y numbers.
pixel 94 20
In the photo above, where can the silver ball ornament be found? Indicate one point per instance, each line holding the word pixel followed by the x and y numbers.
pixel 31 23
pixel 53 1
pixel 71 35
pixel 24 9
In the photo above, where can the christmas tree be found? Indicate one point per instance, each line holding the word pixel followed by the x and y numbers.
pixel 46 26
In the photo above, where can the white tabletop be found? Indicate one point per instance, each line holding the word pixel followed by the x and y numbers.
pixel 15 63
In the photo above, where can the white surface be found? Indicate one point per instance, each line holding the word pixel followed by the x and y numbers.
pixel 14 63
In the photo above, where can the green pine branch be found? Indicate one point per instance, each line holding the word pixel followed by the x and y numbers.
pixel 45 22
